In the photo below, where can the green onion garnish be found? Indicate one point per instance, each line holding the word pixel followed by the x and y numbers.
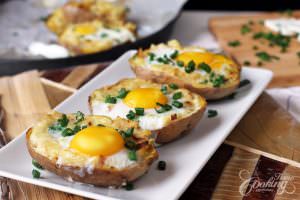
pixel 190 67
pixel 212 113
pixel 173 86
pixel 37 165
pixel 36 173
pixel 177 104
pixel 122 93
pixel 162 165
pixel 177 95
pixel 234 43
pixel 110 99
pixel 130 115
pixel 139 111
pixel 205 67
pixel 132 155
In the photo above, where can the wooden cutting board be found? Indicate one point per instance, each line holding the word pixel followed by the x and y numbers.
pixel 228 28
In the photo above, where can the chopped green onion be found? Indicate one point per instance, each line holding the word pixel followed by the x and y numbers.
pixel 37 165
pixel 177 104
pixel 212 113
pixel 173 86
pixel 247 63
pixel 205 67
pixel 244 83
pixel 129 186
pixel 110 99
pixel 151 56
pixel 67 132
pixel 245 29
pixel 63 121
pixel 163 108
pixel 132 155
pixel 234 43
pixel 76 129
pixel 177 95
pixel 127 133
pixel 265 56
pixel 164 89
pixel 139 111
pixel 190 67
pixel 130 144
pixel 174 54
pixel 79 116
pixel 131 115
pixel 162 165
pixel 36 173
pixel 122 93
pixel 180 63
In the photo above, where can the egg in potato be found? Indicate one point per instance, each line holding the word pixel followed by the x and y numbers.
pixel 212 75
pixel 73 12
pixel 166 110
pixel 91 149
pixel 91 37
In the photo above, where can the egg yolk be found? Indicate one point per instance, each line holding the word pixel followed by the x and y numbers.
pixel 219 60
pixel 85 29
pixel 197 57
pixel 96 140
pixel 145 98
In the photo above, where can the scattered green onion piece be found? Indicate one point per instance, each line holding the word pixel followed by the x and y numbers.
pixel 205 67
pixel 151 56
pixel 132 155
pixel 234 43
pixel 180 63
pixel 212 113
pixel 177 104
pixel 190 67
pixel 173 86
pixel 129 186
pixel 162 165
pixel 110 99
pixel 131 115
pixel 247 63
pixel 130 144
pixel 139 111
pixel 245 29
pixel 164 89
pixel 37 165
pixel 244 83
pixel 36 174
pixel 174 54
pixel 79 116
pixel 177 95
pixel 63 121
pixel 67 132
pixel 122 93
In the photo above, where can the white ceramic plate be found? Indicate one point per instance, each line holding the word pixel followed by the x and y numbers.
pixel 185 157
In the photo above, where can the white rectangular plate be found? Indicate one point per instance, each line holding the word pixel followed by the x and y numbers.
pixel 185 157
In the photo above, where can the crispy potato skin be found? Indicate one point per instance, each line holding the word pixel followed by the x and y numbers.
pixel 209 93
pixel 99 177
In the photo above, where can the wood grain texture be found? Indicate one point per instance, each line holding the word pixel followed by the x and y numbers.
pixel 269 128
pixel 228 28
pixel 24 101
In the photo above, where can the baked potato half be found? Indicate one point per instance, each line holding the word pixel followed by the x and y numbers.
pixel 91 149
pixel 166 110
pixel 92 37
pixel 74 12
pixel 211 75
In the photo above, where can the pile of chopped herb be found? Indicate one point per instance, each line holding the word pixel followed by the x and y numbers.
pixel 264 56
pixel 275 39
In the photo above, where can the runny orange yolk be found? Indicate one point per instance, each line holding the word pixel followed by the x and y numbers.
pixel 213 60
pixel 197 57
pixel 96 140
pixel 145 98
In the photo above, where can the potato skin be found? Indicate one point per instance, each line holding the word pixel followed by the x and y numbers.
pixel 209 93
pixel 100 177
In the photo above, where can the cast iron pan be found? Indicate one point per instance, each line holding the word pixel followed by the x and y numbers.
pixel 13 66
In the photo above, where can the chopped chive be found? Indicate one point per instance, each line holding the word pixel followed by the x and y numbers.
pixel 245 29
pixel 212 113
pixel 37 165
pixel 130 115
pixel 177 104
pixel 162 165
pixel 174 54
pixel 164 89
pixel 162 60
pixel 35 173
pixel 231 96
pixel 129 186
pixel 130 144
pixel 110 99
pixel 247 63
pixel 83 127
pixel 139 111
pixel 244 83
pixel 180 63
pixel 190 67
pixel 173 86
pixel 205 67
pixel 67 132
pixel 132 155
pixel 128 132
pixel 63 121
pixel 264 56
pixel 217 80
pixel 79 116
pixel 163 108
pixel 151 56
pixel 234 43
pixel 177 95
pixel 122 93
pixel 101 125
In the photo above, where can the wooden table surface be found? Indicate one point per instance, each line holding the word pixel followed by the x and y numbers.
pixel 263 145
